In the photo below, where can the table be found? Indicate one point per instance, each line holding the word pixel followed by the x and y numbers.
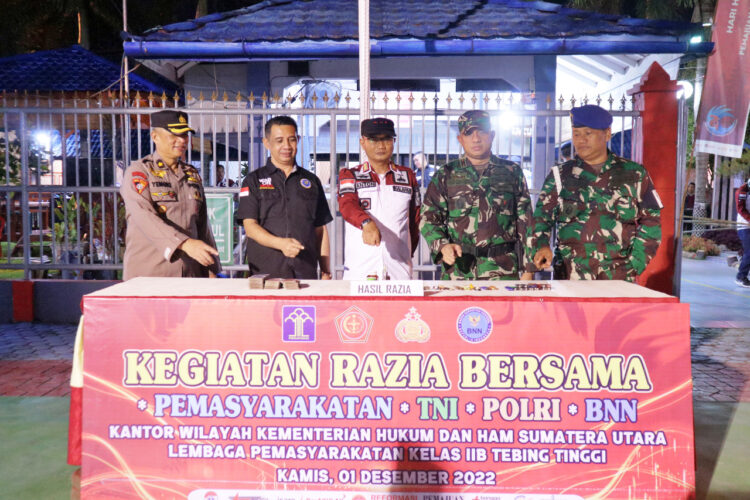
pixel 205 389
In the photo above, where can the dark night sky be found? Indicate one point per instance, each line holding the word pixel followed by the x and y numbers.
pixel 30 25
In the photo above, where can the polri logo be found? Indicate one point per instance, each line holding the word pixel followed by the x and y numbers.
pixel 298 323
pixel 474 324
pixel 412 328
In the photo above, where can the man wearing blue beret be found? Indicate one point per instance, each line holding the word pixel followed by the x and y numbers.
pixel 605 209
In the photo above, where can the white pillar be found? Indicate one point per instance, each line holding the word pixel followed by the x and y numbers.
pixel 125 68
pixel 364 59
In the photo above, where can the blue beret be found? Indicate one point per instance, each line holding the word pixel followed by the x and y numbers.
pixel 591 116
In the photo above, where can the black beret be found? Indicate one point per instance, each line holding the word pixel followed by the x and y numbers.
pixel 377 126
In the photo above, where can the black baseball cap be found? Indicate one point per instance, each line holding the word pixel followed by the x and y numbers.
pixel 172 120
pixel 377 126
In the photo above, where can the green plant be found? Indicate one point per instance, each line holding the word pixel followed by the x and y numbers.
pixel 734 166
pixel 103 226
pixel 65 230
pixel 94 218
pixel 696 243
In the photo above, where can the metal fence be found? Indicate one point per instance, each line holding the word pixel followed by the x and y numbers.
pixel 62 157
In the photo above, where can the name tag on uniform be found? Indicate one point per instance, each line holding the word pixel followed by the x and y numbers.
pixel 389 288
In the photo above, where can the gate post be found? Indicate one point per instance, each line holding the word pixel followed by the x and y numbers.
pixel 655 147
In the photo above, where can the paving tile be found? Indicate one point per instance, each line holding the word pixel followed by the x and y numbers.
pixel 34 377
pixel 42 352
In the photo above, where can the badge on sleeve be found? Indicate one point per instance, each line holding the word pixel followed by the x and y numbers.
pixel 305 183
pixel 140 182
pixel 346 186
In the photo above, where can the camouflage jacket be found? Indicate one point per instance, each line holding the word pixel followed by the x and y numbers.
pixel 487 215
pixel 608 225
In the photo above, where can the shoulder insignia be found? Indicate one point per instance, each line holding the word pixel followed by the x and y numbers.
pixel 157 173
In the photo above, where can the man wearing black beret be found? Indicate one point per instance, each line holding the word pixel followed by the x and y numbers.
pixel 380 201
pixel 168 233
pixel 605 208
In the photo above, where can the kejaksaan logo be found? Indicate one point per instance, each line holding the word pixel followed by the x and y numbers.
pixel 298 323
pixel 474 324
pixel 720 120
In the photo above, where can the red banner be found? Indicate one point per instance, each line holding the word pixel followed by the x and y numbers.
pixel 386 399
pixel 725 101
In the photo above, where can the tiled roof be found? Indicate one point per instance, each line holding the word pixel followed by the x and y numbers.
pixel 98 144
pixel 69 69
pixel 297 20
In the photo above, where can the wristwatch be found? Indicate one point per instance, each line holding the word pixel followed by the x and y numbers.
pixel 366 221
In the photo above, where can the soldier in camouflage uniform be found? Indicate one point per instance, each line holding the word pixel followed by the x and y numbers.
pixel 476 209
pixel 605 207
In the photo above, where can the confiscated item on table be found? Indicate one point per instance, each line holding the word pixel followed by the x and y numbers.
pixel 273 284
pixel 290 284
pixel 257 281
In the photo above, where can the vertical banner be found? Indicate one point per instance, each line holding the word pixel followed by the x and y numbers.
pixel 722 118
pixel 220 215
